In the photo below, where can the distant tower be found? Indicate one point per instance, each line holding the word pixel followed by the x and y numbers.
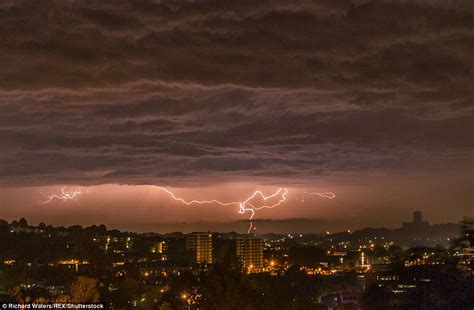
pixel 417 217
pixel 417 223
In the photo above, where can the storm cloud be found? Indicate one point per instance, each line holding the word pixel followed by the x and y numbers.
pixel 192 92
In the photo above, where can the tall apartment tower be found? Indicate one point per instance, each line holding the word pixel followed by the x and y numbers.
pixel 199 247
pixel 417 217
pixel 250 253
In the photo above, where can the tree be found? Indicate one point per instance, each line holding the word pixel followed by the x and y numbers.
pixel 449 288
pixel 380 251
pixel 61 299
pixel 17 294
pixel 152 298
pixel 222 288
pixel 75 230
pixel 165 306
pixel 84 289
pixel 3 282
pixel 127 291
pixel 27 295
pixel 376 297
pixel 395 250
pixel 23 223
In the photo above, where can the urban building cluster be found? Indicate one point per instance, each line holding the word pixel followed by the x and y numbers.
pixel 154 271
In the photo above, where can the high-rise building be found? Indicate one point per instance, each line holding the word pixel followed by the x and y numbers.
pixel 250 253
pixel 417 217
pixel 199 247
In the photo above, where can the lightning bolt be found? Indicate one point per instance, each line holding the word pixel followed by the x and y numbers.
pixel 244 206
pixel 252 209
pixel 200 202
pixel 63 196
pixel 328 195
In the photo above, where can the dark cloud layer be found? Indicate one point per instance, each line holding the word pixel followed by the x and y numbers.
pixel 155 92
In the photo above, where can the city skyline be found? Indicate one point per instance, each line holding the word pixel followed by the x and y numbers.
pixel 106 104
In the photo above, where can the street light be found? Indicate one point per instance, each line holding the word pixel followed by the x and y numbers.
pixel 185 298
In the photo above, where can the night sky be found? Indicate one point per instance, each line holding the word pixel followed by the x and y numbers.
pixel 373 101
